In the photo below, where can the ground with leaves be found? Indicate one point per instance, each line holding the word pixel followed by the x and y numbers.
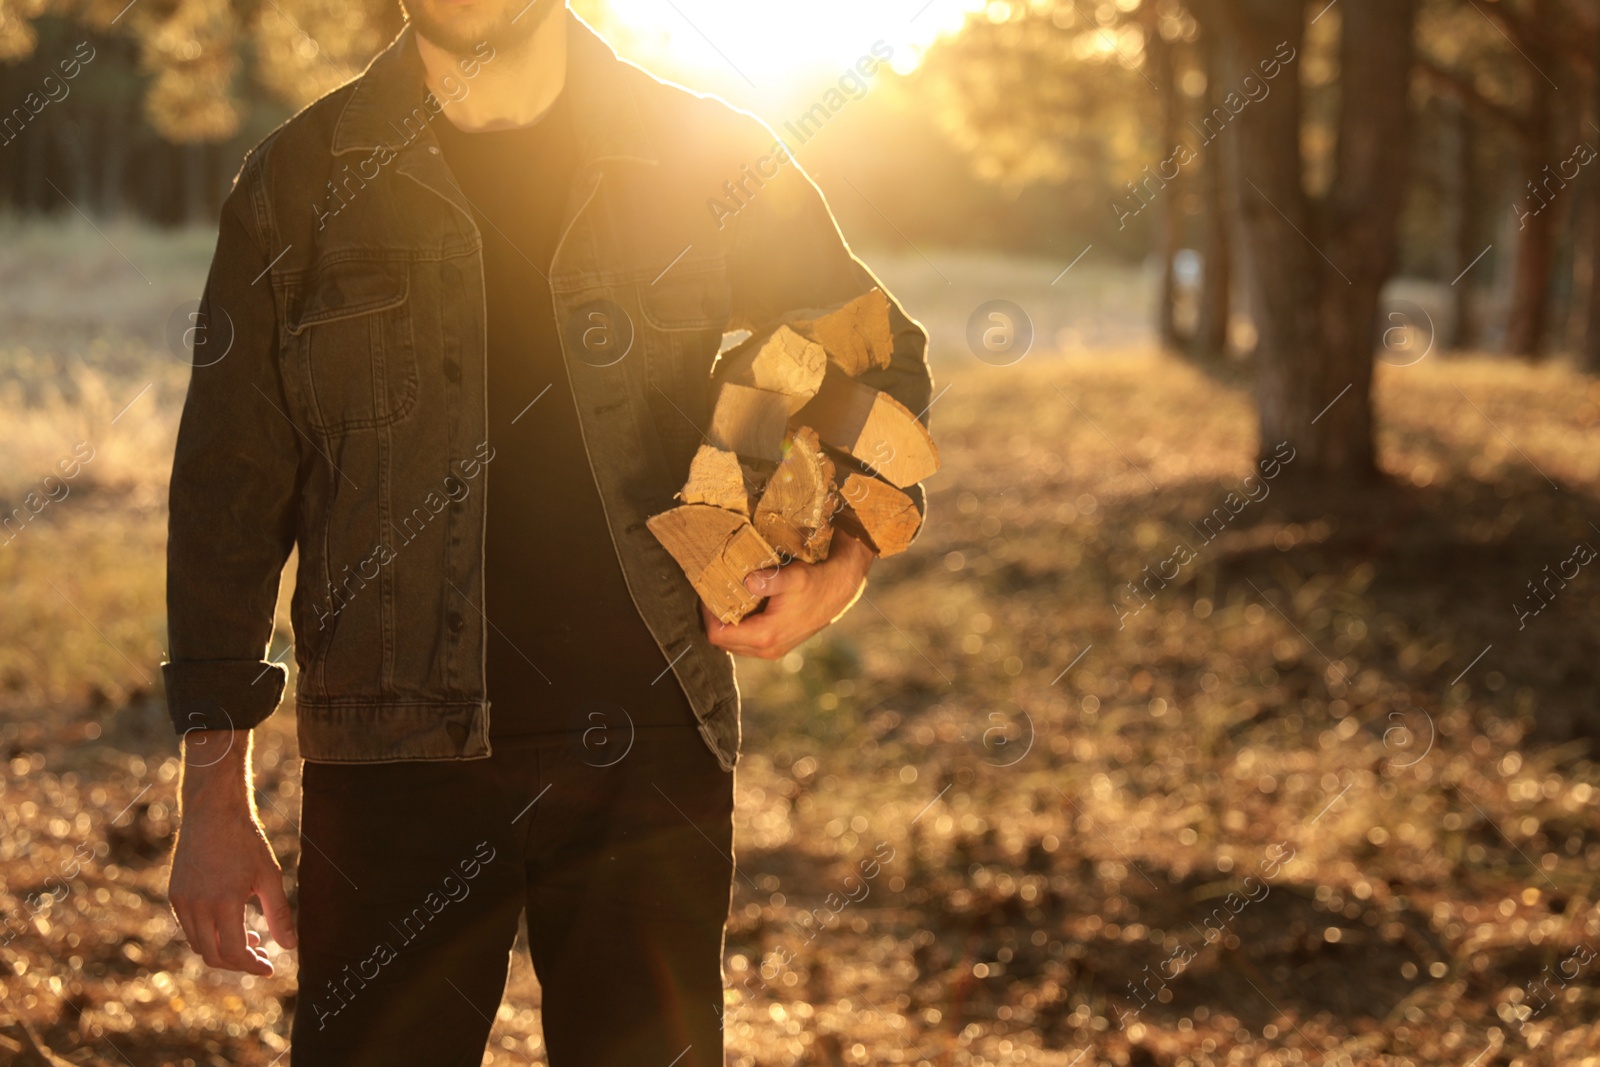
pixel 1323 790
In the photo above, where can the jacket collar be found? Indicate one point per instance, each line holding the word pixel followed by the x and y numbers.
pixel 605 109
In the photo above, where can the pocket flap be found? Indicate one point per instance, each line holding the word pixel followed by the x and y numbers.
pixel 687 298
pixel 341 290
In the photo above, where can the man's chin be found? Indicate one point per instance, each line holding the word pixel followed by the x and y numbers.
pixel 461 31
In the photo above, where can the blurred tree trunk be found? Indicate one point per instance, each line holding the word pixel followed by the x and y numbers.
pixel 113 157
pixel 1528 318
pixel 1216 292
pixel 1461 194
pixel 1317 268
pixel 1170 221
pixel 1589 347
pixel 35 193
pixel 77 179
pixel 195 191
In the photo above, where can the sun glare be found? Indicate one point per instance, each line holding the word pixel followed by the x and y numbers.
pixel 767 53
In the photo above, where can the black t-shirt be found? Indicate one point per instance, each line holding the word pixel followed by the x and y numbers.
pixel 567 648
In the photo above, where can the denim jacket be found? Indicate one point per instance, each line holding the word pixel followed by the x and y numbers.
pixel 338 405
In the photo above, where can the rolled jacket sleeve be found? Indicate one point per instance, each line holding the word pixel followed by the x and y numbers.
pixel 233 496
pixel 786 253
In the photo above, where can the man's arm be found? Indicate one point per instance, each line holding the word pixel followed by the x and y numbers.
pixel 786 253
pixel 232 507
pixel 223 857
pixel 232 504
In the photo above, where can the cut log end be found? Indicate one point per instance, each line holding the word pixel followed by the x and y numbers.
pixel 718 550
pixel 796 509
pixel 877 513
pixel 873 427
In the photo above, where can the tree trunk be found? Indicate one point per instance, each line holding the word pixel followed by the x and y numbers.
pixel 1589 347
pixel 196 196
pixel 36 194
pixel 1461 193
pixel 1216 295
pixel 1317 274
pixel 75 181
pixel 1170 220
pixel 1362 220
pixel 1536 218
pixel 113 157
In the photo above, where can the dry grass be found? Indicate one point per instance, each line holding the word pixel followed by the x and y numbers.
pixel 1068 797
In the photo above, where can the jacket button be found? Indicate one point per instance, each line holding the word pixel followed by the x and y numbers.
pixel 452 370
pixel 334 297
pixel 456 622
pixel 450 273
pixel 457 732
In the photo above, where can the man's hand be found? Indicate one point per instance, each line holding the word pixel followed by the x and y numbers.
pixel 223 859
pixel 803 598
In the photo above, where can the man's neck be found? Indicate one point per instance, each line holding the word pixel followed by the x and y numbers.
pixel 514 88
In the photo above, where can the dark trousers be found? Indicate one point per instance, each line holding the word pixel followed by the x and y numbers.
pixel 413 875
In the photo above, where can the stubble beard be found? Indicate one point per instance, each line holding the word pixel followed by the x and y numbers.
pixel 508 32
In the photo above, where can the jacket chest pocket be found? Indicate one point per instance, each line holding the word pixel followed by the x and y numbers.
pixel 349 350
pixel 684 316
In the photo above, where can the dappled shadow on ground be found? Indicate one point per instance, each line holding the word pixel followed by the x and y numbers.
pixel 1319 795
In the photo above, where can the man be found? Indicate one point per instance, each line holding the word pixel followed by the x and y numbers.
pixel 504 256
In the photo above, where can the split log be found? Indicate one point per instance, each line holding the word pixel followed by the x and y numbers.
pixel 750 422
pixel 873 427
pixel 779 362
pixel 796 508
pixel 717 549
pixel 757 472
pixel 716 478
pixel 857 335
pixel 877 513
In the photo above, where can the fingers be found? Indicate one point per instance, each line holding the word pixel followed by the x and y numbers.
pixel 216 933
pixel 202 931
pixel 744 638
pixel 185 917
pixel 232 949
pixel 774 632
pixel 772 582
pixel 760 636
pixel 275 905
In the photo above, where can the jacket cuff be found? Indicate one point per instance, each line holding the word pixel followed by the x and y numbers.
pixel 223 694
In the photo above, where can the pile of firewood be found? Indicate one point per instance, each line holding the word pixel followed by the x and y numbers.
pixel 789 414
